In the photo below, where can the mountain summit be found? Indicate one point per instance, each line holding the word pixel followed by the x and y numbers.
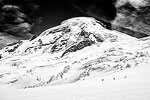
pixel 78 49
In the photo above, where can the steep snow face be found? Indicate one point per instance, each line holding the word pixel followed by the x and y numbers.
pixel 78 49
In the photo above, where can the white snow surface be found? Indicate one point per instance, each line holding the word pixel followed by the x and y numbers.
pixel 130 84
pixel 77 60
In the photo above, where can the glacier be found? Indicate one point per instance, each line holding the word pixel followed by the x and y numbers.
pixel 79 49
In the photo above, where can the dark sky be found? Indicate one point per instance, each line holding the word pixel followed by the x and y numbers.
pixel 55 12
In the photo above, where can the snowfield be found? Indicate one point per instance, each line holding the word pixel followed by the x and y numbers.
pixel 77 60
pixel 130 84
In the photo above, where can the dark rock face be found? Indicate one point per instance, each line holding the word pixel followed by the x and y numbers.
pixel 133 17
pixel 17 18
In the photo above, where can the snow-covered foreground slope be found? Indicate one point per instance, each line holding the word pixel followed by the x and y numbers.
pixel 130 84
pixel 78 49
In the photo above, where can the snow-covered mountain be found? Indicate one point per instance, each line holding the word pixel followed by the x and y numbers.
pixel 78 49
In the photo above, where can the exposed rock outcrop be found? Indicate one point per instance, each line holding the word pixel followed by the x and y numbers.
pixel 133 17
pixel 17 20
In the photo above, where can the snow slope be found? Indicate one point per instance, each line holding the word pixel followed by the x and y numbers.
pixel 78 49
pixel 130 84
